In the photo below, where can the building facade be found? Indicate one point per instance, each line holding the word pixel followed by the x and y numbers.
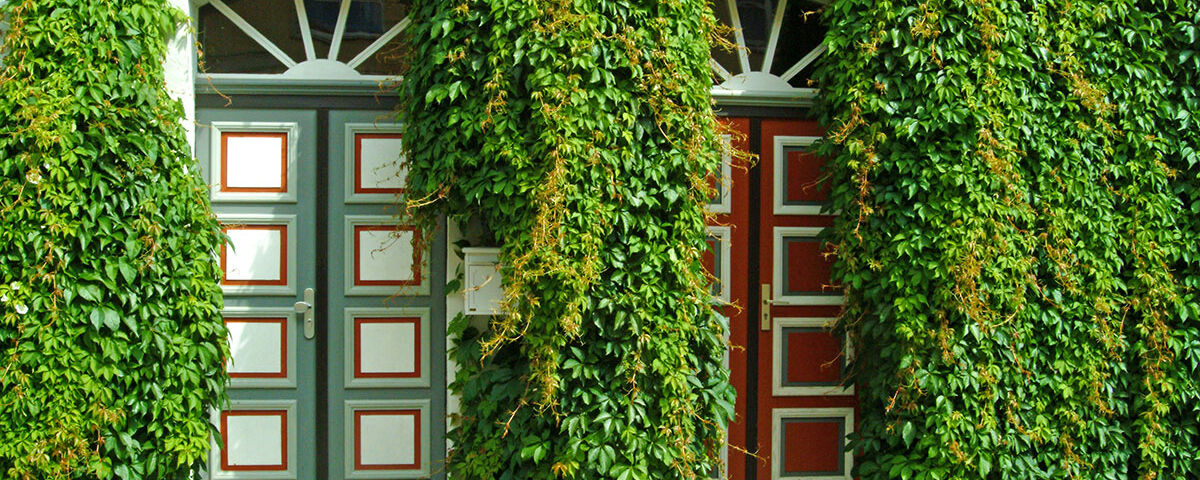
pixel 338 321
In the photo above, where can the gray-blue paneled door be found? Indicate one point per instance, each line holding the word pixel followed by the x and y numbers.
pixel 335 308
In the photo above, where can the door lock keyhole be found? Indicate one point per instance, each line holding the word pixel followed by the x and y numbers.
pixel 306 308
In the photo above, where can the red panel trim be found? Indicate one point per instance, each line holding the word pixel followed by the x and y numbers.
pixel 813 446
pixel 358 465
pixel 803 181
pixel 283 156
pixel 283 255
pixel 808 269
pixel 416 268
pixel 416 322
pixel 358 186
pixel 716 183
pixel 812 357
pixel 709 257
pixel 283 347
pixel 283 444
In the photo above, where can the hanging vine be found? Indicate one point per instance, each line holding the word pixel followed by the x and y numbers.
pixel 1009 177
pixel 581 134
pixel 112 347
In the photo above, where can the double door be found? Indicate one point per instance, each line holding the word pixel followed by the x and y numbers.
pixel 795 408
pixel 335 308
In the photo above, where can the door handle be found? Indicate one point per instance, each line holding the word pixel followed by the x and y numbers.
pixel 765 307
pixel 306 307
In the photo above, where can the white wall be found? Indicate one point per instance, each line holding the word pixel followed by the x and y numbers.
pixel 180 71
pixel 454 306
pixel 3 30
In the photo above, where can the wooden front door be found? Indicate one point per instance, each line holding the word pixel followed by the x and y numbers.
pixel 794 409
pixel 335 310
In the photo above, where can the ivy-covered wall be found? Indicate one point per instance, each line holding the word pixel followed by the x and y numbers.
pixel 1179 58
pixel 1018 234
pixel 580 133
pixel 111 343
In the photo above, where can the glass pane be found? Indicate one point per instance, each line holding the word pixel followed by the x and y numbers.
pixel 727 58
pixel 322 19
pixel 756 17
pixel 368 19
pixel 225 48
pixel 386 61
pixel 365 22
pixel 802 32
pixel 276 20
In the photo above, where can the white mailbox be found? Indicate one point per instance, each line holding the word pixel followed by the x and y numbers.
pixel 484 286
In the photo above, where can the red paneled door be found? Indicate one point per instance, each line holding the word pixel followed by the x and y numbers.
pixel 793 410
pixel 804 409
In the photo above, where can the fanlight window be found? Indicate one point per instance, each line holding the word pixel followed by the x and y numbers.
pixel 301 39
pixel 338 40
pixel 777 43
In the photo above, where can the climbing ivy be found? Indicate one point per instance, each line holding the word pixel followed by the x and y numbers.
pixel 111 343
pixel 581 135
pixel 1017 182
pixel 1177 46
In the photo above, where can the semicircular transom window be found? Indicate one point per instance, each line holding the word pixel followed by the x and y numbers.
pixel 301 39
pixel 777 42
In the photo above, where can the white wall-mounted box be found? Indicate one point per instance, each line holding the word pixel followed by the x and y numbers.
pixel 483 288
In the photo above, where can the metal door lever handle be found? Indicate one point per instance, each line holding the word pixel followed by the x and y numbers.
pixel 306 307
pixel 765 307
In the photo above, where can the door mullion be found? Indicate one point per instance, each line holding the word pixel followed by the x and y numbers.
pixel 754 141
pixel 324 309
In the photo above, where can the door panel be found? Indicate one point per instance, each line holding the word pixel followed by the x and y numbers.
pixel 804 410
pixel 260 167
pixel 387 368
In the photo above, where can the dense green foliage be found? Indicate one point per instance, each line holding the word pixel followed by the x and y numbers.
pixel 1180 60
pixel 112 342
pixel 1019 234
pixel 580 133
